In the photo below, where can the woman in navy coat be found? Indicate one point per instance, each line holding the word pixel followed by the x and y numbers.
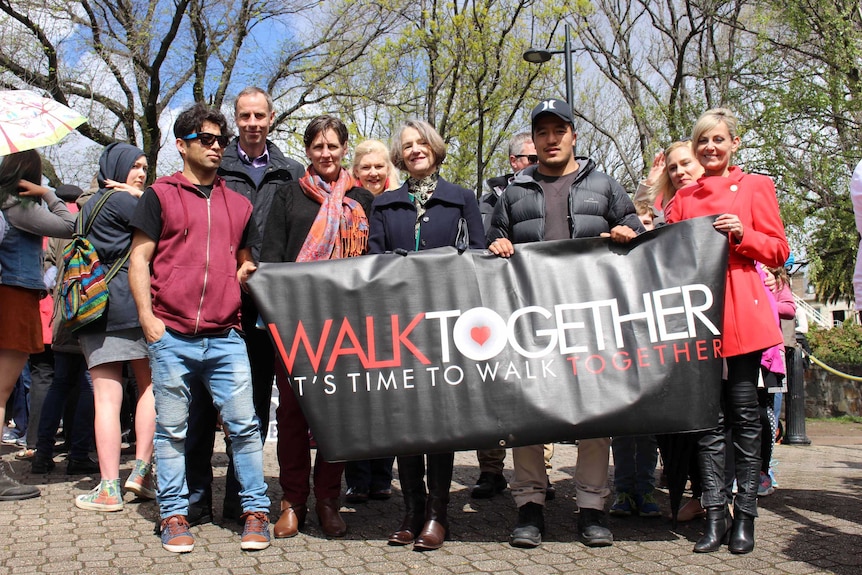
pixel 426 212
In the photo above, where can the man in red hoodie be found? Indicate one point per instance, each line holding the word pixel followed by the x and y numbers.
pixel 191 252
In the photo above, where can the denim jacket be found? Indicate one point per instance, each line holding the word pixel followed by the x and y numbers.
pixel 21 259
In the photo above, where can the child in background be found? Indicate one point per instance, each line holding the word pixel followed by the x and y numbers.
pixel 635 460
pixel 646 214
pixel 775 385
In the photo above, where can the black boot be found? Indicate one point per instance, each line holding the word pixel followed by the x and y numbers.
pixel 436 527
pixel 410 473
pixel 717 530
pixel 742 533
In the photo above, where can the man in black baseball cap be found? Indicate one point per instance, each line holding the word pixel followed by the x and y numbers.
pixel 558 108
pixel 561 197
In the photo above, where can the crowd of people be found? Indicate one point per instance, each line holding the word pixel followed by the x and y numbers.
pixel 180 339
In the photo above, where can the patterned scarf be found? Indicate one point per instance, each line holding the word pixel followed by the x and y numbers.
pixel 340 229
pixel 420 192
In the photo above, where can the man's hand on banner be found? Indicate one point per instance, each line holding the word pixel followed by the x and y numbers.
pixel 244 272
pixel 502 247
pixel 621 234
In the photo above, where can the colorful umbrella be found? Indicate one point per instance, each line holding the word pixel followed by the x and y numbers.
pixel 27 121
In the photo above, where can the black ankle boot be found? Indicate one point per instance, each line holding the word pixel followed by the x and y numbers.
pixel 742 533
pixel 717 530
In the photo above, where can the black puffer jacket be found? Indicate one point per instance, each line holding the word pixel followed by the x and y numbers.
pixel 597 203
pixel 280 170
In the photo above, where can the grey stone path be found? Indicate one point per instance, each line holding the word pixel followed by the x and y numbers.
pixel 812 524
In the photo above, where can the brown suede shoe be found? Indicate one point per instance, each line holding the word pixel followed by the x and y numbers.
pixel 432 537
pixel 331 522
pixel 291 521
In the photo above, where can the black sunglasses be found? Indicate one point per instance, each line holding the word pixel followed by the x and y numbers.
pixel 207 139
pixel 532 158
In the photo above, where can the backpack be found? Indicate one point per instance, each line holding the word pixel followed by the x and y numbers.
pixel 85 281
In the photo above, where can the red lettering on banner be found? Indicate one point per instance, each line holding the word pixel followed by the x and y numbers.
pixel 574 361
pixel 626 362
pixel 301 337
pixel 678 351
pixel 595 371
pixel 642 357
pixel 373 362
pixel 700 345
pixel 402 337
pixel 716 347
pixel 660 350
pixel 337 351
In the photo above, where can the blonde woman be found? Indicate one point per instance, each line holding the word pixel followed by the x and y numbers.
pixel 373 169
pixel 673 169
pixel 752 225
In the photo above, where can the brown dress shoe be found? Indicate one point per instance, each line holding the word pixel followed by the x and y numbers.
pixel 291 521
pixel 410 528
pixel 432 537
pixel 331 522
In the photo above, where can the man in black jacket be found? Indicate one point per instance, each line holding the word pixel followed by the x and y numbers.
pixel 561 197
pixel 255 167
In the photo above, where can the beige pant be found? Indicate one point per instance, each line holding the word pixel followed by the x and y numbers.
pixel 491 460
pixel 591 473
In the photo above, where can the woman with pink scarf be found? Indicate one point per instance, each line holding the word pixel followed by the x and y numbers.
pixel 320 217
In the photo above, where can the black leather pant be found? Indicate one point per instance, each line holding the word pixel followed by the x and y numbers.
pixel 739 412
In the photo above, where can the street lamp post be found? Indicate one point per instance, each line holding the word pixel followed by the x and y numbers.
pixel 539 56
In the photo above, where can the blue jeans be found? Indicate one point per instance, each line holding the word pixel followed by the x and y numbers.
pixel 635 459
pixel 221 363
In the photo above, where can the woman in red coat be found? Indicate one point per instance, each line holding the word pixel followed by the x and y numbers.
pixel 749 215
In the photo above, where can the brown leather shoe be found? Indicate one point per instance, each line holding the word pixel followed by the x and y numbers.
pixel 407 532
pixel 331 522
pixel 291 521
pixel 432 537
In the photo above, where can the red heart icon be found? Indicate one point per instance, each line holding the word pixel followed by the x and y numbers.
pixel 480 334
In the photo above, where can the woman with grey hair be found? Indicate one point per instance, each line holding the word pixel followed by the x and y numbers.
pixel 425 212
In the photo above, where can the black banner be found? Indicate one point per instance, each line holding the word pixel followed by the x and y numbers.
pixel 436 351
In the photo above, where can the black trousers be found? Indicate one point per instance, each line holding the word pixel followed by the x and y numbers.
pixel 738 414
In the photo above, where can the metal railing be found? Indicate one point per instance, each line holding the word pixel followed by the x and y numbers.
pixel 813 315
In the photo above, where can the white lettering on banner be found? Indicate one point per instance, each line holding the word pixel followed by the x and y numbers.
pixel 443 316
pixel 480 334
pixel 512 372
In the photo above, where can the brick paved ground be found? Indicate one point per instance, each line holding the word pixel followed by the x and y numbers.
pixel 812 524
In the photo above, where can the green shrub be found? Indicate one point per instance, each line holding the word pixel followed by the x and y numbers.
pixel 839 345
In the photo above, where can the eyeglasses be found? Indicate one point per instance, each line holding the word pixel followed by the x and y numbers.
pixel 532 158
pixel 207 139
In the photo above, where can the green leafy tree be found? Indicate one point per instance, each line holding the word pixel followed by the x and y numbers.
pixel 458 64
pixel 807 115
